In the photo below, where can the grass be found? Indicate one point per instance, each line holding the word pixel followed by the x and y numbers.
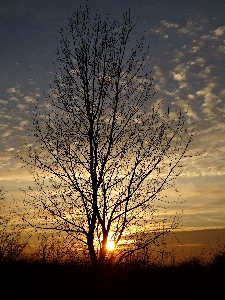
pixel 191 279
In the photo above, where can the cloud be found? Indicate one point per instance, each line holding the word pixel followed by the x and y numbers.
pixel 178 77
pixel 157 31
pixel 5 116
pixel 200 61
pixel 23 123
pixel 18 128
pixel 31 81
pixel 7 133
pixel 211 100
pixel 190 96
pixel 195 49
pixel 185 106
pixel 14 93
pixel 207 74
pixel 167 24
pixel 222 93
pixel 13 98
pixel 206 90
pixel 219 31
pixel 220 202
pixel 183 31
pixel 29 99
pixel 196 66
pixel 180 71
pixel 190 29
pixel 159 75
pixel 3 102
pixel 14 90
pixel 222 48
pixel 184 85
pixel 22 106
pixel 179 55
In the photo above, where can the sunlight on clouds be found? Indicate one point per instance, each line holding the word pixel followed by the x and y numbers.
pixel 159 76
pixel 195 49
pixel 222 93
pixel 178 77
pixel 211 100
pixel 200 61
pixel 23 123
pixel 186 77
pixel 3 102
pixel 185 106
pixel 222 48
pixel 29 99
pixel 184 31
pixel 167 24
pixel 219 31
pixel 13 98
pixel 12 168
pixel 12 90
pixel 7 133
pixel 14 93
pixel 22 106
pixel 197 92
pixel 178 56
pixel 180 72
pixel 190 96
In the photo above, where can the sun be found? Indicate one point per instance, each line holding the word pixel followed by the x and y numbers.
pixel 110 245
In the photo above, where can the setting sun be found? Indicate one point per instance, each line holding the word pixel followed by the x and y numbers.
pixel 110 245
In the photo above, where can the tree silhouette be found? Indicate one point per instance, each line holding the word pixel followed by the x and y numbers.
pixel 105 151
pixel 12 244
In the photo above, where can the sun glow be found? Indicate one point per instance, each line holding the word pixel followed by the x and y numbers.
pixel 110 245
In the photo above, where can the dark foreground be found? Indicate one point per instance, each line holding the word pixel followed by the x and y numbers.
pixel 22 280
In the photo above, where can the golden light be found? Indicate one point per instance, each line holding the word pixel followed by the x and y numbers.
pixel 110 245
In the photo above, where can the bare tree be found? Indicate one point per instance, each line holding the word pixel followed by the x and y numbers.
pixel 105 151
pixel 12 244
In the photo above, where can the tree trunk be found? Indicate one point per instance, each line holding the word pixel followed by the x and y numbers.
pixel 102 255
pixel 97 262
pixel 91 249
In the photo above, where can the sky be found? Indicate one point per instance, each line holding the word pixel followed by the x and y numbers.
pixel 186 42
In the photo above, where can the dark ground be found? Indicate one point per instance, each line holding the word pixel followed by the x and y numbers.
pixel 22 280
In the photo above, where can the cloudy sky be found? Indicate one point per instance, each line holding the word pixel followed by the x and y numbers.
pixel 187 48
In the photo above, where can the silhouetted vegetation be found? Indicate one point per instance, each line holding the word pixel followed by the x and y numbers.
pixel 12 244
pixel 192 279
pixel 48 269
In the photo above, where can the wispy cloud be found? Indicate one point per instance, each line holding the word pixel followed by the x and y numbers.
pixel 168 25
pixel 192 83
pixel 219 31
pixel 14 90
pixel 3 102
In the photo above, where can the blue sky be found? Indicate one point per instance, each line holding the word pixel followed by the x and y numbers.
pixel 187 47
